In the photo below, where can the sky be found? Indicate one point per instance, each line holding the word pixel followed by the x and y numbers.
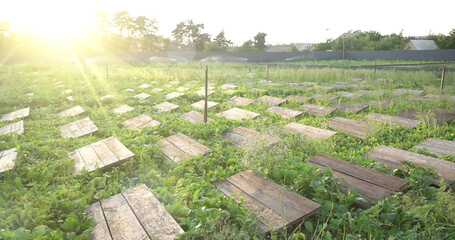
pixel 286 21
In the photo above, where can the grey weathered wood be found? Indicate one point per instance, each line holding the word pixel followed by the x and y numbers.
pixel 318 110
pixel 21 113
pixel 123 109
pixel 393 157
pixel 102 154
pixel 325 97
pixel 393 120
pixel 202 92
pixel 250 138
pixel 165 107
pixel 236 100
pixel 299 99
pixel 101 230
pixel 141 121
pixel 7 159
pixel 349 95
pixel 145 85
pixel 228 86
pixel 182 89
pixel 154 218
pixel 194 117
pixel 401 91
pixel 78 128
pixel 238 114
pixel 180 147
pixel 173 95
pixel 72 112
pixel 309 131
pixel 353 107
pixel 200 105
pixel 16 127
pixel 155 90
pixel 370 184
pixel 271 101
pixel 384 103
pixel 355 128
pixel 438 147
pixel 106 97
pixel 142 96
pixel 285 113
pixel 433 116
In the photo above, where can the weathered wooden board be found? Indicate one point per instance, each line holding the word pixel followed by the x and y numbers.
pixel 155 90
pixel 401 91
pixel 349 95
pixel 438 147
pixel 70 98
pixel 274 205
pixel 271 101
pixel 128 90
pixel 228 86
pixel 142 96
pixel 353 107
pixel 67 91
pixel 236 100
pixel 194 117
pixel 202 92
pixel 141 121
pixel 299 99
pixel 200 105
pixel 123 109
pixel 174 82
pixel 355 128
pixel 384 103
pixel 102 154
pixel 182 89
pixel 238 114
pixel 16 127
pixel 72 112
pixel 133 214
pixel 318 110
pixel 370 184
pixel 21 113
pixel 393 157
pixel 393 120
pixel 230 91
pixel 106 97
pixel 180 147
pixel 78 128
pixel 284 112
pixel 325 97
pixel 303 88
pixel 145 85
pixel 165 107
pixel 309 131
pixel 7 158
pixel 250 138
pixel 173 95
pixel 433 116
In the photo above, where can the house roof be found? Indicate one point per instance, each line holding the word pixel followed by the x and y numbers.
pixel 424 44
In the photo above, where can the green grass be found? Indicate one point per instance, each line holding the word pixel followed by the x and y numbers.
pixel 41 199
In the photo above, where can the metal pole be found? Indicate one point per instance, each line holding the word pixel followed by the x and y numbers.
pixel 206 91
pixel 443 76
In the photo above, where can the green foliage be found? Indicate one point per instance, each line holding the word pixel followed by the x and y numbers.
pixel 189 35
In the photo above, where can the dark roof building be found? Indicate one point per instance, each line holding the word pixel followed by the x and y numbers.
pixel 421 45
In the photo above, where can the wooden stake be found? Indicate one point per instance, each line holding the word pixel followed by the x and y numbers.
pixel 206 91
pixel 375 65
pixel 443 76
pixel 268 66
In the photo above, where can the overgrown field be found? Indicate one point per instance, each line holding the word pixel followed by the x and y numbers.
pixel 41 199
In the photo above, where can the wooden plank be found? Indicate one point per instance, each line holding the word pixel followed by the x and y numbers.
pixel 355 128
pixel 91 160
pixel 165 107
pixel 360 172
pixel 325 97
pixel 393 157
pixel 290 205
pixel 182 89
pixel 145 85
pixel 105 154
pixel 349 95
pixel 70 130
pixel 123 109
pixel 299 99
pixel 154 218
pixel 173 95
pixel 266 216
pixel 392 120
pixel 118 148
pixel 285 113
pixel 238 114
pixel 5 129
pixel 402 91
pixel 384 103
pixel 106 97
pixel 194 117
pixel 236 100
pixel 72 112
pixel 17 127
pixel 438 147
pixel 242 136
pixel 142 96
pixel 101 230
pixel 21 113
pixel 353 107
pixel 173 152
pixel 155 90
pixel 7 159
pixel 86 126
pixel 202 92
pixel 318 110
pixel 228 86
pixel 79 163
pixel 200 105
pixel 121 220
pixel 271 101
pixel 141 121
pixel 309 131
pixel 188 145
pixel 433 116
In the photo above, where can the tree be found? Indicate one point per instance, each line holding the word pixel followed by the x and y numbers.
pixel 259 41
pixel 188 34
pixel 6 35
pixel 221 40
pixel 447 41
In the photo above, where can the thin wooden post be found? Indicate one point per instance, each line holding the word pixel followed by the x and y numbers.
pixel 268 67
pixel 375 65
pixel 206 91
pixel 107 70
pixel 443 76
